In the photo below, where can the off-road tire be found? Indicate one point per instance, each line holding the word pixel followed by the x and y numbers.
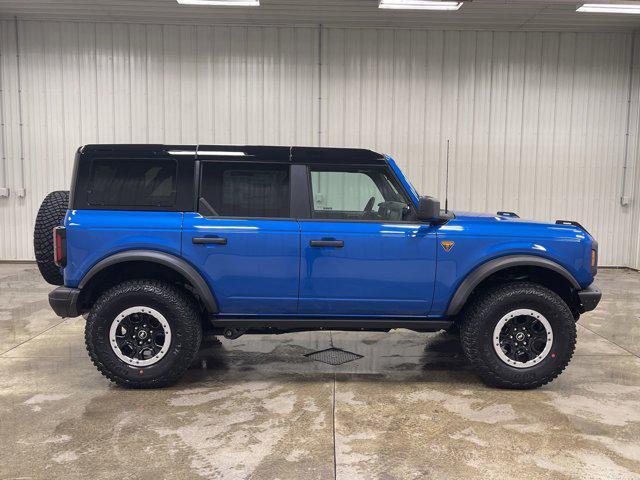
pixel 482 315
pixel 51 214
pixel 175 305
pixel 453 329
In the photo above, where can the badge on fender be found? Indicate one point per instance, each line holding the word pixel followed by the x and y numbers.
pixel 447 245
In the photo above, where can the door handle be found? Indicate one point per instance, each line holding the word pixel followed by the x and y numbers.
pixel 327 243
pixel 209 240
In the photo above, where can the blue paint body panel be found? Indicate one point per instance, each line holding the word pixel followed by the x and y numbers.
pixel 481 237
pixel 383 268
pixel 267 267
pixel 256 272
pixel 96 234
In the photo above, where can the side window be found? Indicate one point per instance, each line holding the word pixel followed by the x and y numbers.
pixel 353 193
pixel 236 189
pixel 132 183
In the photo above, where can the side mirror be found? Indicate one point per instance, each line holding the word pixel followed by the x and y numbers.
pixel 428 209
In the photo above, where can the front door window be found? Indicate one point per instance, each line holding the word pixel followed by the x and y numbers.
pixel 353 193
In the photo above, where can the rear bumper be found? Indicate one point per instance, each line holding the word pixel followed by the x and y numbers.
pixel 64 301
pixel 589 298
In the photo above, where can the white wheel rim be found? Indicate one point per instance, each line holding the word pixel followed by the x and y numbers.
pixel 505 320
pixel 136 361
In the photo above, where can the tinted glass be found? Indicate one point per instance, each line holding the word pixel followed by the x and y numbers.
pixel 132 183
pixel 354 193
pixel 235 189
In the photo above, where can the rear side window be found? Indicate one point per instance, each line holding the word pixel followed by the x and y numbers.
pixel 235 189
pixel 132 183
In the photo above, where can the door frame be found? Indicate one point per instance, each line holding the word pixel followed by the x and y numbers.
pixel 305 195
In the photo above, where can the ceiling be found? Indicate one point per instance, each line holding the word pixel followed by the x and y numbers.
pixel 513 15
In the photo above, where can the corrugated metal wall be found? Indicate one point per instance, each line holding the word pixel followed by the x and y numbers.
pixel 632 184
pixel 537 121
pixel 122 83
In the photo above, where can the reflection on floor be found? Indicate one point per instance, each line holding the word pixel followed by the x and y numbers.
pixel 257 407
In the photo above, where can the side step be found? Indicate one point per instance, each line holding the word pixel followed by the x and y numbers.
pixel 349 323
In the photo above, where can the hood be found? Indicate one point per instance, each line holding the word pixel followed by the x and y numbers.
pixel 510 222
pixel 490 217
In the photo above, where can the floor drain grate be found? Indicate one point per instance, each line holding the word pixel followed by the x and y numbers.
pixel 333 356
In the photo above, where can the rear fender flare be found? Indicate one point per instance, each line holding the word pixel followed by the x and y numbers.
pixel 476 276
pixel 177 264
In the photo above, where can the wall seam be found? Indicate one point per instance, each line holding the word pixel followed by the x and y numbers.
pixel 3 115
pixel 628 121
pixel 20 114
pixel 320 67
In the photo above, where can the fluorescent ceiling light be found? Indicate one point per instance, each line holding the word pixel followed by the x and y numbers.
pixel 222 3
pixel 419 5
pixel 609 8
pixel 208 152
pixel 221 153
pixel 182 152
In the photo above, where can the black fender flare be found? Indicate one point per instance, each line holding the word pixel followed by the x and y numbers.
pixel 476 276
pixel 177 264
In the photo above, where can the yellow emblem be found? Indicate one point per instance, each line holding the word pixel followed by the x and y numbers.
pixel 447 245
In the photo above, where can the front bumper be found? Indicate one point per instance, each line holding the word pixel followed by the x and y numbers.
pixel 589 298
pixel 64 301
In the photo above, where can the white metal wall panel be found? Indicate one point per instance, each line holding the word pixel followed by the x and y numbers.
pixel 632 184
pixel 121 83
pixel 536 121
pixel 10 147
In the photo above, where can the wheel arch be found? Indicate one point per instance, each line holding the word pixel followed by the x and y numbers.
pixel 510 263
pixel 166 262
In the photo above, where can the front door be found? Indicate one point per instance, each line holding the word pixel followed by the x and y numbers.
pixel 361 254
pixel 242 238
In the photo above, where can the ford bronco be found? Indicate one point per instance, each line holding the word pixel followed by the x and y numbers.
pixel 158 245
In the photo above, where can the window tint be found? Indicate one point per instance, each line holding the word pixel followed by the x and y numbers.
pixel 235 189
pixel 132 183
pixel 356 194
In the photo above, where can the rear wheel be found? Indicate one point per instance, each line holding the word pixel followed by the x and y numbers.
pixel 51 214
pixel 520 335
pixel 143 333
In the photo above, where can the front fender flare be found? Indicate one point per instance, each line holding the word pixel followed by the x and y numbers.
pixel 474 278
pixel 177 264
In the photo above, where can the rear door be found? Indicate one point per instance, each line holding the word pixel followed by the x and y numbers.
pixel 242 238
pixel 361 253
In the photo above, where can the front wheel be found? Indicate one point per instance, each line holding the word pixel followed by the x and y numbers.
pixel 520 335
pixel 143 333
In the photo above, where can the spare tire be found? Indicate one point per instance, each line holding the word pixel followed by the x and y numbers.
pixel 51 214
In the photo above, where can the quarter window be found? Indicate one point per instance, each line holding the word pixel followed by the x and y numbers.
pixel 132 183
pixel 353 193
pixel 236 189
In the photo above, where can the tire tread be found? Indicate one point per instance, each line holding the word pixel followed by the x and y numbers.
pixel 471 332
pixel 50 214
pixel 187 314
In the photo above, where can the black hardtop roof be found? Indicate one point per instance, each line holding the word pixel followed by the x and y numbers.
pixel 250 153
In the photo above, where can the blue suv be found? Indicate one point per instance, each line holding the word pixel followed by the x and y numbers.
pixel 158 245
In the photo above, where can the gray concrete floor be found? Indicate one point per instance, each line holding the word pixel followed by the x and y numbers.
pixel 257 408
